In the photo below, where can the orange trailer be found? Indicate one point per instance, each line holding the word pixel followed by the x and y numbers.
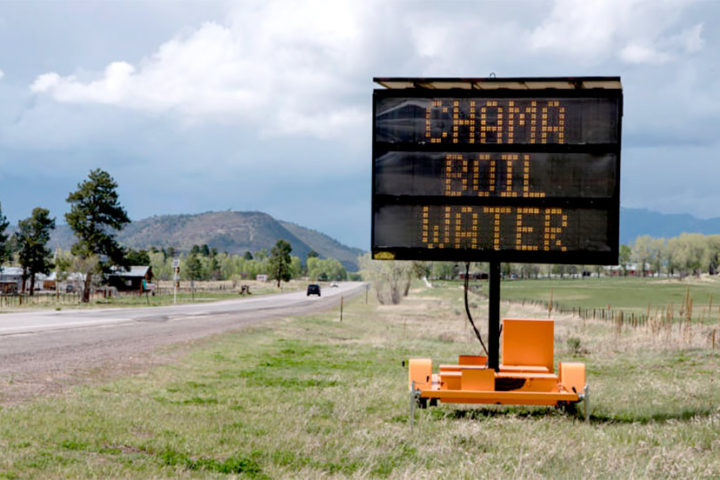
pixel 526 376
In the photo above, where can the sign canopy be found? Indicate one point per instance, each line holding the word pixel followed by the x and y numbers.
pixel 499 169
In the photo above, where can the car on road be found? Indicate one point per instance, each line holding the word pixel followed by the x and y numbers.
pixel 313 289
pixel 334 285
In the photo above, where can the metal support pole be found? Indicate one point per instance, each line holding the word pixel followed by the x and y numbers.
pixel 413 401
pixel 494 317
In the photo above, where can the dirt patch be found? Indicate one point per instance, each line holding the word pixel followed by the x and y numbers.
pixel 27 383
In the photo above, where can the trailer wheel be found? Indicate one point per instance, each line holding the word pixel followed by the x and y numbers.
pixel 570 408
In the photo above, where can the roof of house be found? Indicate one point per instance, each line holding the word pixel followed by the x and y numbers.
pixel 11 271
pixel 135 271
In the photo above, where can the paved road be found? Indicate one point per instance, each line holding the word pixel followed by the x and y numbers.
pixel 44 351
pixel 44 320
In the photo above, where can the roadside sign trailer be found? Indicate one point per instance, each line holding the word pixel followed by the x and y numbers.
pixel 498 170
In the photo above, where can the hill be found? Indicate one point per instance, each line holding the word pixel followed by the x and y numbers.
pixel 635 222
pixel 234 232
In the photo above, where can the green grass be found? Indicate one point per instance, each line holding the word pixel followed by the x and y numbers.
pixel 311 397
pixel 621 293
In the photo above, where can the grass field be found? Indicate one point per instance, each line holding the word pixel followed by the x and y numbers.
pixel 312 397
pixel 629 293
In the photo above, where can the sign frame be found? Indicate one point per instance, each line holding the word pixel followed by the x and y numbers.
pixel 502 88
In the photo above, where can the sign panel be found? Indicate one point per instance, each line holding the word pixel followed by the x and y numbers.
pixel 502 175
pixel 474 120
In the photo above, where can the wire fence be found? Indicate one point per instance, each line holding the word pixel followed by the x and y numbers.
pixel 685 316
pixel 161 291
pixel 41 299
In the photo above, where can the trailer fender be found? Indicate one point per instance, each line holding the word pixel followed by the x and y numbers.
pixel 420 372
pixel 572 377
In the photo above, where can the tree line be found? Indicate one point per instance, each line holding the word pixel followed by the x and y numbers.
pixel 686 254
pixel 680 256
pixel 207 263
pixel 96 216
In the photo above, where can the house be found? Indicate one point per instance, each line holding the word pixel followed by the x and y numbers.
pixel 68 282
pixel 10 279
pixel 136 280
pixel 631 269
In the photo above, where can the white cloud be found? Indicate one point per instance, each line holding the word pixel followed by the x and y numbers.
pixel 635 31
pixel 579 27
pixel 45 82
pixel 689 40
pixel 301 69
pixel 2 74
pixel 305 69
pixel 693 39
pixel 634 53
pixel 273 67
pixel 197 74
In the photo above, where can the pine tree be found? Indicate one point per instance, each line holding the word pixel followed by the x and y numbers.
pixel 194 267
pixel 280 262
pixel 95 215
pixel 31 238
pixel 4 250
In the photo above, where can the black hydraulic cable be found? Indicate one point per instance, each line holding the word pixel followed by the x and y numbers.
pixel 467 307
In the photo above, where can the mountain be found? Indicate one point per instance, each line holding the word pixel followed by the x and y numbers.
pixel 326 246
pixel 635 222
pixel 234 232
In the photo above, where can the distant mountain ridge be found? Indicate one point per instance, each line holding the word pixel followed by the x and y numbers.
pixel 635 222
pixel 234 232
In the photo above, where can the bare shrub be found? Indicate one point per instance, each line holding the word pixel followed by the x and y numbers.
pixel 389 277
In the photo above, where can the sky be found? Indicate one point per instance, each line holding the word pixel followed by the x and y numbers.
pixel 266 105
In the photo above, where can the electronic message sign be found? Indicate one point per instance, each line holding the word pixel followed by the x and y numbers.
pixel 497 170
